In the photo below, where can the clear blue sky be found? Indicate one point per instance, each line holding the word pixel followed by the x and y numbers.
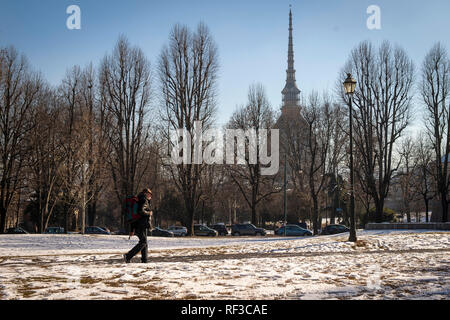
pixel 252 35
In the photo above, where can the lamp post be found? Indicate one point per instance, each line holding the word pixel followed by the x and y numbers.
pixel 350 86
pixel 326 205
pixel 285 193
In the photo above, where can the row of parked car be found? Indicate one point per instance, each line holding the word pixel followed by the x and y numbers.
pixel 295 230
pixel 179 231
pixel 215 230
pixel 245 229
pixel 87 230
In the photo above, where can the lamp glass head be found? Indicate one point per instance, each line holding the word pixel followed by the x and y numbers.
pixel 349 84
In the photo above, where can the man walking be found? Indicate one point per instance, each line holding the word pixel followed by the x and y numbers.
pixel 140 226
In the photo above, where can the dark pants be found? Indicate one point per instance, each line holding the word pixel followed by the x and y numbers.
pixel 142 246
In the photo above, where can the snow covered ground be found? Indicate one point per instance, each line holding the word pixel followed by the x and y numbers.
pixel 382 265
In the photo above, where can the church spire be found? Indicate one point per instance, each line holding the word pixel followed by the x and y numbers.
pixel 291 47
pixel 290 92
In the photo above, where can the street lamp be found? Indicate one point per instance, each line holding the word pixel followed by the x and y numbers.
pixel 350 86
pixel 285 193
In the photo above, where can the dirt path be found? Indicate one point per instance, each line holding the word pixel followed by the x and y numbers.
pixel 8 261
pixel 285 255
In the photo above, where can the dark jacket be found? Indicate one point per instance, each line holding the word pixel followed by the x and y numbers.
pixel 144 208
pixel 144 205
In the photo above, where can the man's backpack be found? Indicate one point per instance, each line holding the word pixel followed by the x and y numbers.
pixel 130 209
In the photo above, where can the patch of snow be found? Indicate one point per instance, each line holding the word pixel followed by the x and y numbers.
pixel 381 265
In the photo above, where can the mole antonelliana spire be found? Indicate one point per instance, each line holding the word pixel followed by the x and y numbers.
pixel 291 93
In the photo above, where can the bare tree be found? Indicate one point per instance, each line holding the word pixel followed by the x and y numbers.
pixel 75 172
pixel 46 156
pixel 435 90
pixel 257 115
pixel 18 91
pixel 293 133
pixel 211 183
pixel 69 98
pixel 320 125
pixel 382 112
pixel 188 69
pixel 407 174
pixel 424 182
pixel 336 158
pixel 125 97
pixel 94 125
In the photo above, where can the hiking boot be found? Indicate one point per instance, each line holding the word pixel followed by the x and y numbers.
pixel 125 259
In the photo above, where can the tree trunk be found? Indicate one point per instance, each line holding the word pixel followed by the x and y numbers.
pixel 379 206
pixel 83 211
pixel 203 212
pixel 75 220
pixel 67 218
pixel 17 211
pixel 41 213
pixel 254 214
pixel 2 219
pixel 444 206
pixel 92 212
pixel 83 218
pixel 333 211
pixel 190 212
pixel 191 222
pixel 315 215
pixel 49 215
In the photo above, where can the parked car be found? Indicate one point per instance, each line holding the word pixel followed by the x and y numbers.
pixel 106 229
pixel 220 228
pixel 178 231
pixel 293 230
pixel 247 229
pixel 95 230
pixel 17 230
pixel 334 229
pixel 302 225
pixel 201 230
pixel 54 230
pixel 158 232
pixel 121 232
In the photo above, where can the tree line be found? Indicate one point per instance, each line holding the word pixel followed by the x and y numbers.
pixel 71 153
